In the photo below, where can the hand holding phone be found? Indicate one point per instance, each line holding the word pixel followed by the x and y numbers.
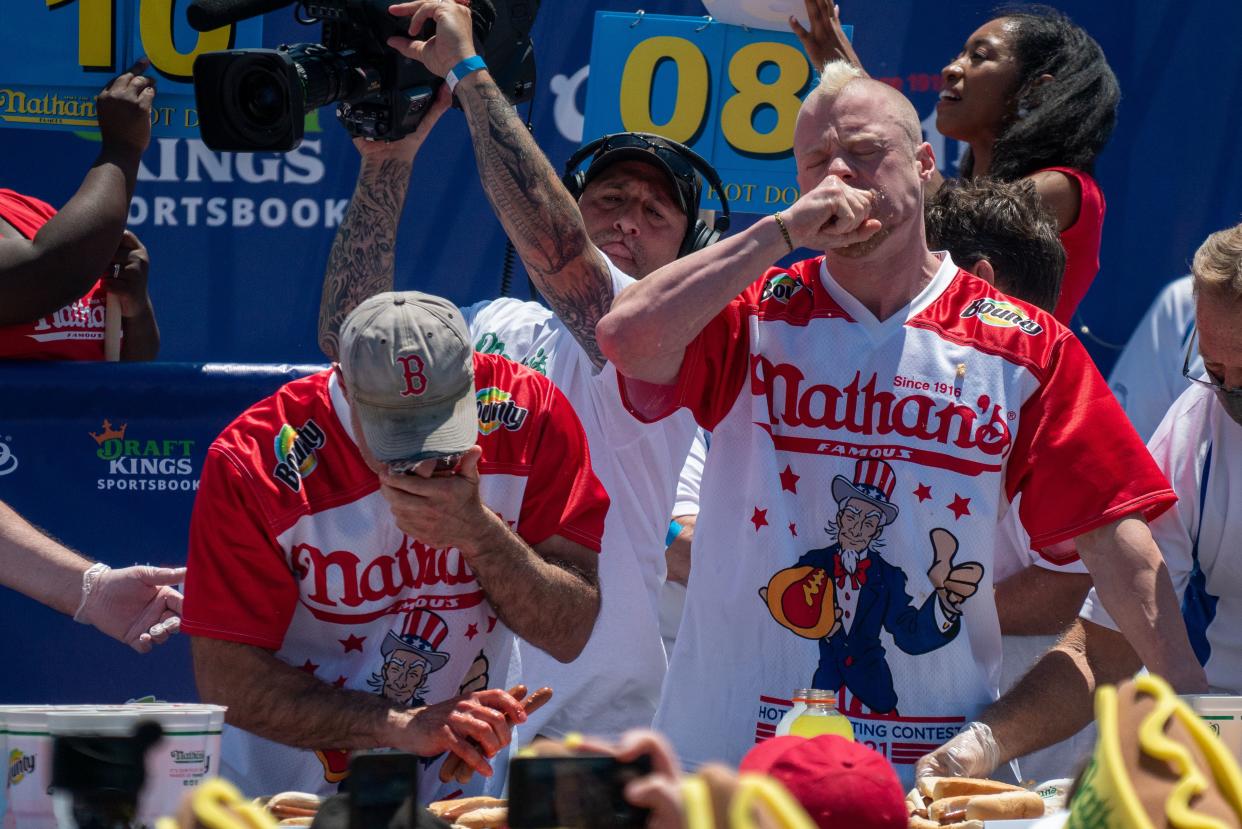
pixel 580 792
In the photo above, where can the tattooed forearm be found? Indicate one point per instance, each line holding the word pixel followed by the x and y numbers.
pixel 538 213
pixel 361 262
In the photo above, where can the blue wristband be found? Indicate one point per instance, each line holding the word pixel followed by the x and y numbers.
pixel 674 530
pixel 471 64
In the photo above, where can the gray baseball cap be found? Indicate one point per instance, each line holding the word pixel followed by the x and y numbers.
pixel 409 366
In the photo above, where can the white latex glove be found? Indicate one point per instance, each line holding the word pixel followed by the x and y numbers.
pixel 135 605
pixel 974 752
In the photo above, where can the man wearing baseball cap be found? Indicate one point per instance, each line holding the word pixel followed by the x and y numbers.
pixel 631 208
pixel 416 475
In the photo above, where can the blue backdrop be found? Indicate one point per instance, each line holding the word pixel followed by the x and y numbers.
pixel 238 244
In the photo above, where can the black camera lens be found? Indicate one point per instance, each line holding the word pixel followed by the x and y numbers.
pixel 261 98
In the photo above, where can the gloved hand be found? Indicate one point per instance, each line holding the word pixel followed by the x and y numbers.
pixel 135 605
pixel 974 752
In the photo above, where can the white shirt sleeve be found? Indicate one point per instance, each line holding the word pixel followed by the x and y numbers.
pixel 1177 447
pixel 691 477
pixel 1148 375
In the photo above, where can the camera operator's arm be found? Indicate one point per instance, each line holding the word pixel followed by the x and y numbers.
pixel 67 254
pixel 547 594
pixel 361 262
pixel 289 706
pixel 537 212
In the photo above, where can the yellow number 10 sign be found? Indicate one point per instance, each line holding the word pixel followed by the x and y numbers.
pixel 729 93
pixel 97 35
pixel 55 56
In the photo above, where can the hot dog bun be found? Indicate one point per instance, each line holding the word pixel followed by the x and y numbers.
pixel 949 808
pixel 488 818
pixel 1005 806
pixel 923 823
pixel 938 788
pixel 451 809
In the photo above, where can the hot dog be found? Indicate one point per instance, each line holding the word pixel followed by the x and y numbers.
pixel 293 804
pixel 1005 806
pixel 451 809
pixel 454 768
pixel 938 788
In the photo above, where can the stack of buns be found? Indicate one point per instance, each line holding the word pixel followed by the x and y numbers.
pixel 472 812
pixel 965 802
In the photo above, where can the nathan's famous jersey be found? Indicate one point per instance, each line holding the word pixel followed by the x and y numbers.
pixel 852 495
pixel 74 332
pixel 293 549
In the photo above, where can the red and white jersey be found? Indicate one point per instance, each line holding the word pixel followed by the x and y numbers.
pixel 853 461
pixel 293 548
pixel 75 332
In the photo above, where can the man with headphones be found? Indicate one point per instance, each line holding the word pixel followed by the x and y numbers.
pixel 583 237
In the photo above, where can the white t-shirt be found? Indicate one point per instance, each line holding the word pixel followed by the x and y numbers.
pixel 896 441
pixel 672 594
pixel 1148 375
pixel 293 548
pixel 614 685
pixel 1200 448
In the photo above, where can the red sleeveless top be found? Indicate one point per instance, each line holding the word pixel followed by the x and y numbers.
pixel 75 332
pixel 1081 241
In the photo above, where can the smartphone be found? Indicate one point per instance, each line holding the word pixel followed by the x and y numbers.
pixel 581 792
pixel 377 785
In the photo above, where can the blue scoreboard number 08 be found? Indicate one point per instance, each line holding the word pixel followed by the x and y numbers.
pixel 750 92
pixel 97 37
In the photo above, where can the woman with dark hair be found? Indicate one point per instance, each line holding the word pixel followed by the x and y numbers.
pixel 1032 95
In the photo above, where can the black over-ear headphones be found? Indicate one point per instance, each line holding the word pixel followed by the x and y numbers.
pixel 680 160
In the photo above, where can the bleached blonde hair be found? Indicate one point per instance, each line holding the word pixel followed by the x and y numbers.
pixel 836 74
pixel 1217 266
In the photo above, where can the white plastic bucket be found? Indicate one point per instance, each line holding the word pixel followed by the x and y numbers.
pixel 28 763
pixel 1223 714
pixel 188 753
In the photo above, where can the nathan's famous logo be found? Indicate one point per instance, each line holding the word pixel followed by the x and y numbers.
pixel 496 408
pixel 144 463
pixel 20 765
pixel 342 578
pixel 295 453
pixel 1002 314
pixel 49 108
pixel 782 288
pixel 185 757
pixel 864 409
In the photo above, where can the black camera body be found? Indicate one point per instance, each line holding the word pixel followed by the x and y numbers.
pixel 257 99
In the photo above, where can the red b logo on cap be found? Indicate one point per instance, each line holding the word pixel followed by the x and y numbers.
pixel 415 380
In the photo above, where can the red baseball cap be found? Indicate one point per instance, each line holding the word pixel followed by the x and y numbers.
pixel 838 782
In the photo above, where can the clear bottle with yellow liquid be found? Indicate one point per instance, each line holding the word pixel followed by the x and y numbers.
pixel 820 717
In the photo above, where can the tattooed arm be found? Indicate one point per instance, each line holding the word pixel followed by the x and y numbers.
pixel 537 212
pixel 362 258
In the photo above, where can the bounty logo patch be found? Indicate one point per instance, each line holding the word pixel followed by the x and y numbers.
pixel 782 288
pixel 20 766
pixel 496 408
pixel 1001 314
pixel 295 453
